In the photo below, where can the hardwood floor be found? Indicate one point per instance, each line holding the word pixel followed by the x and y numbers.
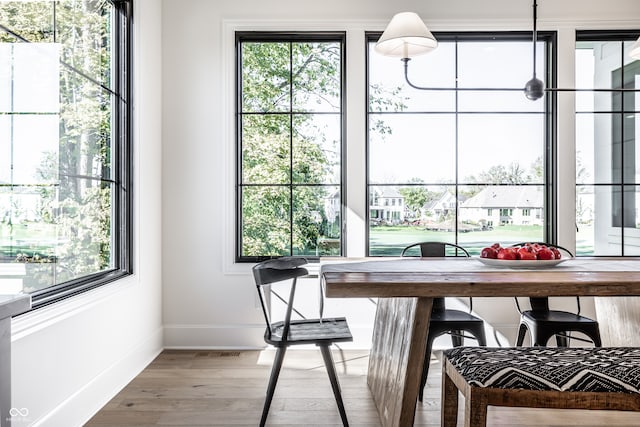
pixel 226 388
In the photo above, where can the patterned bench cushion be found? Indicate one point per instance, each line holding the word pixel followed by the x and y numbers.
pixel 605 369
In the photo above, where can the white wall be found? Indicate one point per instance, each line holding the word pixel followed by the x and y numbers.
pixel 70 358
pixel 209 301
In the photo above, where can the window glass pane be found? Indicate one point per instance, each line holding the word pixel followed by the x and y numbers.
pixel 500 214
pixel 29 148
pixel 37 28
pixel 29 77
pixel 28 238
pixel 85 240
pixel 596 62
pixel 585 217
pixel 502 150
pixel 600 134
pixel 80 29
pixel 586 153
pixel 498 64
pixel 632 227
pixel 424 146
pixel 316 77
pixel 265 77
pixel 316 148
pixel 402 215
pixel 597 210
pixel 265 149
pixel 266 219
pixel 316 221
pixel 388 90
pixel 85 129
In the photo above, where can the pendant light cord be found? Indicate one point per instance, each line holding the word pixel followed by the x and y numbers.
pixel 535 34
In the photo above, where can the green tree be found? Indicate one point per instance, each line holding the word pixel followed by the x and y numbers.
pixel 416 197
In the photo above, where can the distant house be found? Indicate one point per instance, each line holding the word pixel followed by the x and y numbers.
pixel 440 207
pixel 502 205
pixel 386 204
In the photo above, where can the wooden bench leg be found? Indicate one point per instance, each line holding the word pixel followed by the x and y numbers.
pixel 475 408
pixel 449 401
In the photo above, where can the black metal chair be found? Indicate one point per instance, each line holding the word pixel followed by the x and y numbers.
pixel 288 332
pixel 543 323
pixel 444 320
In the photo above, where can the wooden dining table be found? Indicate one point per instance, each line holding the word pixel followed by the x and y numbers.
pixel 406 288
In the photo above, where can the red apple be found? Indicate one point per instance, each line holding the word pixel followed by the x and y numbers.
pixel 489 253
pixel 546 254
pixel 556 253
pixel 526 253
pixel 508 253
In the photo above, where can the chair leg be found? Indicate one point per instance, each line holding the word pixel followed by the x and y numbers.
pixel 425 367
pixel 331 370
pixel 595 337
pixel 562 340
pixel 449 412
pixel 478 334
pixel 522 331
pixel 275 372
pixel 475 409
pixel 457 338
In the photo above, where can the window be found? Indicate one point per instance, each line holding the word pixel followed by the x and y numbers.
pixel 526 212
pixel 290 136
pixel 455 154
pixel 607 145
pixel 64 146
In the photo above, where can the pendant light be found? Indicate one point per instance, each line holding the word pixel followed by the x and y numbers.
pixel 534 89
pixel 407 36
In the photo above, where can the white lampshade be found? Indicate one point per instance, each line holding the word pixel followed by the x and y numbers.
pixel 406 36
pixel 635 50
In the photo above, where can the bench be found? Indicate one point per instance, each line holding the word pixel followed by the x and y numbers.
pixel 538 377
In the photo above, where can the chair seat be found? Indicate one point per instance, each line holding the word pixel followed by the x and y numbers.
pixel 454 316
pixel 554 316
pixel 311 331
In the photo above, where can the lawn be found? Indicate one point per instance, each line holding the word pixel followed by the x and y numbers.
pixel 30 238
pixel 390 240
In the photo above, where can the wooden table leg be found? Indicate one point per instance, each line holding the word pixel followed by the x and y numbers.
pixel 397 355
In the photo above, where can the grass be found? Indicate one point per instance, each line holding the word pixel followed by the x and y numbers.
pixel 390 240
pixel 30 238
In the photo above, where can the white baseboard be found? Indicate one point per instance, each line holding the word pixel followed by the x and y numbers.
pixel 86 402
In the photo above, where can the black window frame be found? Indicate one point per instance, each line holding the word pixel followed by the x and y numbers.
pixel 286 36
pixel 550 120
pixel 121 137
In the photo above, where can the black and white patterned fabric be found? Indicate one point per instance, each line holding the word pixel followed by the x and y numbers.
pixel 605 369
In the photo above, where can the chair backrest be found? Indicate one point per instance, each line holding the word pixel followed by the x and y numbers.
pixel 541 304
pixel 435 249
pixel 278 270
